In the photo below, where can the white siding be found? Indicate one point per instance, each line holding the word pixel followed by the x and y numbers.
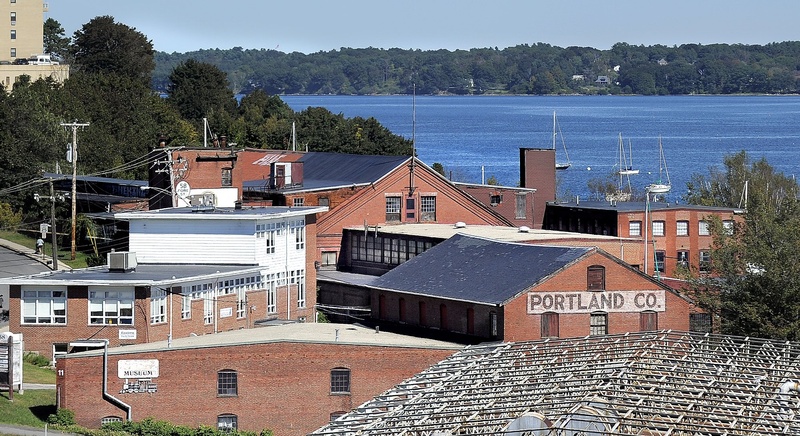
pixel 193 241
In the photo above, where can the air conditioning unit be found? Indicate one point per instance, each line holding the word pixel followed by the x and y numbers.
pixel 204 199
pixel 121 261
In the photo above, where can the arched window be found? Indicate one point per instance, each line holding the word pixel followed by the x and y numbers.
pixel 227 422
pixel 227 383
pixel 596 278
pixel 340 381
pixel 549 325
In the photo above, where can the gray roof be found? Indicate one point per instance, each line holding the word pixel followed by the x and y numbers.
pixel 637 206
pixel 204 212
pixel 143 275
pixel 467 268
pixel 333 170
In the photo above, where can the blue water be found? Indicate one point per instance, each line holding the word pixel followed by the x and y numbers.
pixel 467 133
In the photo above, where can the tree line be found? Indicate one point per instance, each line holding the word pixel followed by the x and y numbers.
pixel 523 69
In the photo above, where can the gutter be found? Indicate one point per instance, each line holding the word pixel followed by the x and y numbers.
pixel 106 396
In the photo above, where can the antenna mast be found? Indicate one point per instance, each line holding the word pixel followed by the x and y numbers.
pixel 413 138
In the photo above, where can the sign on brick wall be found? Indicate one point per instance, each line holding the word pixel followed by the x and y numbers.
pixel 601 301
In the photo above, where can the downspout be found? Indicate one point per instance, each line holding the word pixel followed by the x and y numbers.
pixel 106 396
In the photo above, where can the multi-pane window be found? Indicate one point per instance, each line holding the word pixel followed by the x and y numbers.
pixel 728 226
pixel 635 228
pixel 427 205
pixel 549 325
pixel 702 228
pixel 324 201
pixel 298 229
pixel 683 258
pixel 598 324
pixel 186 306
pixel 340 381
pixel 328 258
pixel 700 322
pixel 495 199
pixel 658 228
pixel 392 209
pixel 44 307
pixel 111 307
pixel 227 422
pixel 158 306
pixel 205 292
pixel 596 278
pixel 705 261
pixel 227 177
pixel 682 228
pixel 110 419
pixel 13 18
pixel 521 207
pixel 298 201
pixel 298 278
pixel 241 301
pixel 13 52
pixel 227 383
pixel 660 258
pixel 272 296
pixel 13 34
pixel 268 232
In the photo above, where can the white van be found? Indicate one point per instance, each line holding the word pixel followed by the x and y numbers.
pixel 42 59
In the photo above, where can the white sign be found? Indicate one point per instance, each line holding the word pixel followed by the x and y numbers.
pixel 183 189
pixel 127 334
pixel 143 368
pixel 226 312
pixel 599 301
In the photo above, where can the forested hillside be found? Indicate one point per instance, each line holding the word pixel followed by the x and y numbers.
pixel 524 69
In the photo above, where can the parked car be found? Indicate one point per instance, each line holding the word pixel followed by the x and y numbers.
pixel 20 61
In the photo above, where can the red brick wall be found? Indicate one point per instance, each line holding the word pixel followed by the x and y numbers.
pixel 507 207
pixel 282 386
pixel 538 171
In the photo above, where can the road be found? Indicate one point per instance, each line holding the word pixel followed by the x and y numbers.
pixel 16 260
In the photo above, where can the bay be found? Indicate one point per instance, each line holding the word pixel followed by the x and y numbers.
pixel 475 137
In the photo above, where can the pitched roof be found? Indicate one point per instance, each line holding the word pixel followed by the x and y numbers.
pixel 645 383
pixel 332 170
pixel 480 270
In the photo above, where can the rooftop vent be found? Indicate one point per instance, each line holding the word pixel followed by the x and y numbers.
pixel 121 261
pixel 461 225
pixel 524 229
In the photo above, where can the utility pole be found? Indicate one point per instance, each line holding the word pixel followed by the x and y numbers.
pixel 74 155
pixel 53 225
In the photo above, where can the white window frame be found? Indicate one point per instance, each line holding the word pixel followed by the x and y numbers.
pixel 44 306
pixel 703 228
pixel 298 277
pixel 635 228
pixel 298 229
pixel 659 228
pixel 111 306
pixel 682 228
pixel 272 293
pixel 158 306
pixel 186 305
pixel 727 225
pixel 427 207
pixel 298 201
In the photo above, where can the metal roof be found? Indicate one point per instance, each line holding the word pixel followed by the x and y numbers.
pixel 646 383
pixel 637 206
pixel 468 268
pixel 500 233
pixel 224 213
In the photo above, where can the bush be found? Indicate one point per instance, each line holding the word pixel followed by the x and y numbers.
pixel 63 418
pixel 36 359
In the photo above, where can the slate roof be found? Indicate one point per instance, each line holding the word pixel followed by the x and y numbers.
pixel 333 170
pixel 467 268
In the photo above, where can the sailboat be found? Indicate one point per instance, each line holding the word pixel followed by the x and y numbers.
pixel 556 132
pixel 661 187
pixel 626 161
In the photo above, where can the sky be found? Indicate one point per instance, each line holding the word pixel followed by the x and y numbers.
pixel 309 26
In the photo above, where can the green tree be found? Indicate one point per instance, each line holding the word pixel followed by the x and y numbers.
pixel 104 46
pixel 755 286
pixel 200 90
pixel 54 40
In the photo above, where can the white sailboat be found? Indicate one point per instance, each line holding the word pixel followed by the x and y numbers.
pixel 556 132
pixel 661 187
pixel 626 161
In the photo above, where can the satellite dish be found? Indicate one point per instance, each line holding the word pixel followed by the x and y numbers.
pixel 183 189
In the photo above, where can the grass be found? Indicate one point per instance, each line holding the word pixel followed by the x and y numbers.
pixel 31 408
pixel 35 374
pixel 30 242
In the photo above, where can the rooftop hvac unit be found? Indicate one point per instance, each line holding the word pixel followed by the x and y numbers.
pixel 204 199
pixel 121 261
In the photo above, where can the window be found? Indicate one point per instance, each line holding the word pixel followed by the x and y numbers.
pixel 598 324
pixel 13 18
pixel 702 228
pixel 324 201
pixel 705 261
pixel 596 278
pixel 549 325
pixel 111 307
pixel 328 258
pixel 493 323
pixel 443 317
pixel 521 207
pixel 340 381
pixel 59 350
pixel 660 257
pixel 44 307
pixel 13 52
pixel 110 419
pixel 658 228
pixel 410 208
pixel 227 423
pixel 683 258
pixel 227 383
pixel 241 301
pixel 186 306
pixel 13 34
pixel 298 229
pixel 648 321
pixel 700 322
pixel 336 415
pixel 427 206
pixel 298 201
pixel 392 209
pixel 635 228
pixel 298 277
pixel 227 177
pixel 682 228
pixel 728 226
pixel 495 199
pixel 272 295
pixel 158 306
pixel 423 318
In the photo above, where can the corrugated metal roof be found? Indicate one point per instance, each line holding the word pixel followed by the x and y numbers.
pixel 330 170
pixel 467 268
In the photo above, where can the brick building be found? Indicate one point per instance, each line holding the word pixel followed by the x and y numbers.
pixel 492 290
pixel 188 271
pixel 291 378
pixel 675 236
